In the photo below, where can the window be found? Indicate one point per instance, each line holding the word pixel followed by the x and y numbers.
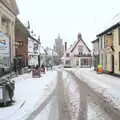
pixel 84 62
pixel 77 62
pixel 119 36
pixel 101 42
pixel 5 25
pixel 80 48
pixel 105 41
pixel 20 44
pixel 80 53
pixel 67 54
pixel 101 59
pixel 67 62
pixel 119 61
pixel 35 48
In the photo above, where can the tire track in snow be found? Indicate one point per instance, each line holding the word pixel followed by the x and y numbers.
pixel 64 112
pixel 98 98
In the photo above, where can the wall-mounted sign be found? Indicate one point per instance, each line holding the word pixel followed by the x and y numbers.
pixel 4 50
pixel 4 43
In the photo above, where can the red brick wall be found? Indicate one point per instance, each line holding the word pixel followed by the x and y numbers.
pixel 22 49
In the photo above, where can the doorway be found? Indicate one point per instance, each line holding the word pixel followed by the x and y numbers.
pixel 112 63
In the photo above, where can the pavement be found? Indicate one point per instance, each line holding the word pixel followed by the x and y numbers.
pixel 30 93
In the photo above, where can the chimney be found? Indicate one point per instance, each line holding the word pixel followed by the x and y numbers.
pixel 79 36
pixel 65 46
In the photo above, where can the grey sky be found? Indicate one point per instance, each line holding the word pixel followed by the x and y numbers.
pixel 68 17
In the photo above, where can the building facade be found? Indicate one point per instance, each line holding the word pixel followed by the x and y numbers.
pixel 96 52
pixel 8 13
pixel 21 42
pixel 33 51
pixel 109 49
pixel 59 48
pixel 78 55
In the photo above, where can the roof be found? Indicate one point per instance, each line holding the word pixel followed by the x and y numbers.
pixel 95 40
pixel 19 25
pixel 34 38
pixel 109 29
pixel 77 43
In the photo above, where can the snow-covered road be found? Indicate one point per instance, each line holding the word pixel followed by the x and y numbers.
pixel 103 92
pixel 60 95
pixel 94 111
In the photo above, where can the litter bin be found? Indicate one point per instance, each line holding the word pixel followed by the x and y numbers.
pixel 4 95
pixel 6 92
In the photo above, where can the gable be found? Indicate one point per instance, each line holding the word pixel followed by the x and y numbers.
pixel 11 5
pixel 80 46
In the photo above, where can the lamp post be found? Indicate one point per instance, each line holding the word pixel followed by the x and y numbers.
pixel 39 60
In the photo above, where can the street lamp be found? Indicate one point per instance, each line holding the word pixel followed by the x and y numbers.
pixel 39 60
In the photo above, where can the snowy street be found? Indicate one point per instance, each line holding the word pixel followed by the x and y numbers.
pixel 65 94
pixel 102 93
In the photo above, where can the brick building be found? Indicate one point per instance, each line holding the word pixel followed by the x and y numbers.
pixel 21 41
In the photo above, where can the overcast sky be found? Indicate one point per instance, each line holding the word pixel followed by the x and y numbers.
pixel 68 17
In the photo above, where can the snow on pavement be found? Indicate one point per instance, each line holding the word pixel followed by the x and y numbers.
pixel 29 92
pixel 105 78
pixel 100 84
pixel 95 112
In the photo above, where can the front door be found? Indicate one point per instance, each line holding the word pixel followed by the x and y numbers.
pixel 112 63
